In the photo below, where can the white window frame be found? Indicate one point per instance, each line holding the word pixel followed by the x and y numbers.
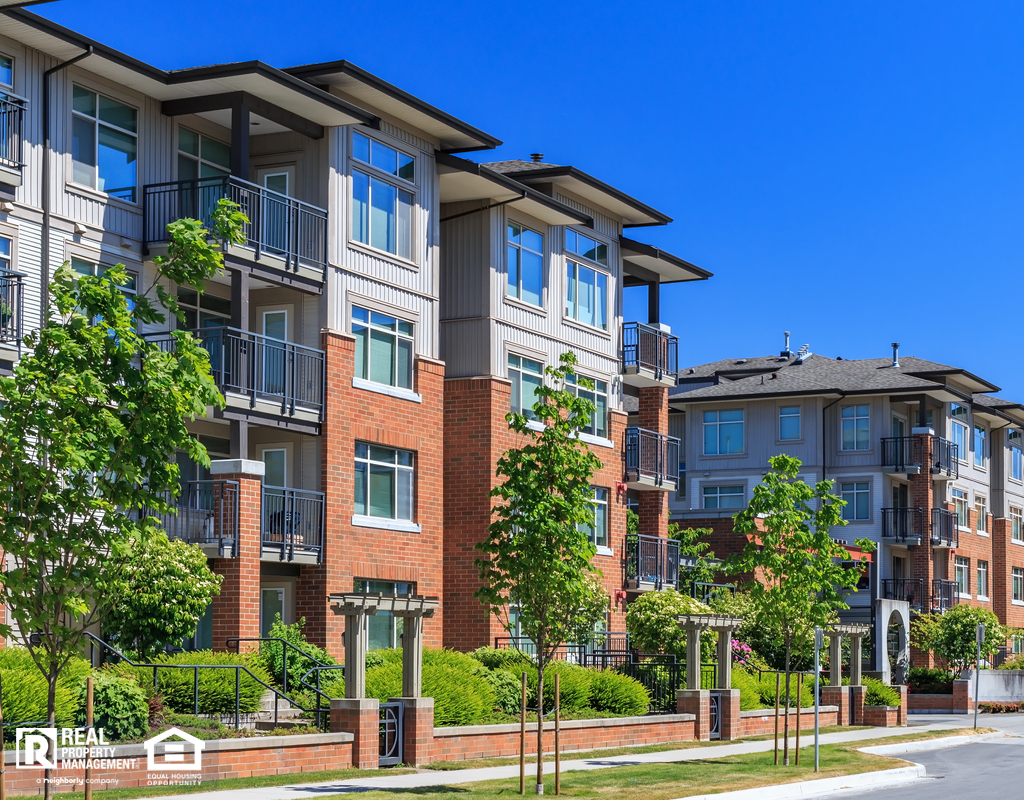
pixel 401 185
pixel 799 423
pixel 572 284
pixel 716 491
pixel 399 469
pixel 958 430
pixel 96 123
pixel 855 420
pixel 716 424
pixel 399 335
pixel 573 386
pixel 981 571
pixel 961 500
pixel 981 514
pixel 1017 524
pixel 198 158
pixel 980 454
pixel 855 491
pixel 515 376
pixel 1016 463
pixel 1017 584
pixel 962 575
pixel 521 247
pixel 599 503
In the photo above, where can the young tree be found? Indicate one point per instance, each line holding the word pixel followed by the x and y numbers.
pixel 693 544
pixel 798 575
pixel 89 425
pixel 537 552
pixel 952 636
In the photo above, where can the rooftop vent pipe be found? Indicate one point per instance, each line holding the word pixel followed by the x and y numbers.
pixel 537 157
pixel 896 354
pixel 786 352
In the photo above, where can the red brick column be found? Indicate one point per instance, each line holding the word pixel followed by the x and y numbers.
pixel 923 496
pixel 838 696
pixel 901 715
pixel 698 703
pixel 361 718
pixel 653 505
pixel 858 694
pixel 729 714
pixel 418 724
pixel 236 610
pixel 963 703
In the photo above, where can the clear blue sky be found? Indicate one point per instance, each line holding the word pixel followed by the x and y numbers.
pixel 852 172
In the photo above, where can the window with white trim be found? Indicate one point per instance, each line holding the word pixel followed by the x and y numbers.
pixel 958 429
pixel 856 427
pixel 597 530
pixel 981 512
pixel 960 507
pixel 527 376
pixel 599 397
pixel 525 264
pixel 857 496
pixel 1018 645
pixel 384 348
pixel 961 571
pixel 585 246
pixel 384 478
pixel 716 497
pixel 1016 455
pixel 789 423
pixel 1017 524
pixel 104 144
pixel 382 196
pixel 980 441
pixel 1018 589
pixel 384 628
pixel 982 578
pixel 586 297
pixel 723 432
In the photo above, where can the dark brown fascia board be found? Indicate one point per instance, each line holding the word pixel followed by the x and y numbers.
pixel 571 172
pixel 656 252
pixel 216 102
pixel 308 72
pixel 942 373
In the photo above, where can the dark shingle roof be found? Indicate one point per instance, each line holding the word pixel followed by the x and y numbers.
pixel 509 167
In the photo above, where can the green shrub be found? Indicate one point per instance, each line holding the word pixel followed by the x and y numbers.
pixel 25 688
pixel 120 707
pixel 1014 662
pixel 880 694
pixel 766 690
pixel 930 681
pixel 750 689
pixel 492 658
pixel 216 686
pixel 460 697
pixel 574 686
pixel 617 693
pixel 272 659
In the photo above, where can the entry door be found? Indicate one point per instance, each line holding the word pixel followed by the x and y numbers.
pixel 276 217
pixel 275 478
pixel 271 606
pixel 275 329
pixel 899 427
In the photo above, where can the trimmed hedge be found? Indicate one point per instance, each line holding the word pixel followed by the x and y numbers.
pixel 460 697
pixel 492 658
pixel 929 681
pixel 880 694
pixel 759 692
pixel 617 693
pixel 119 706
pixel 25 688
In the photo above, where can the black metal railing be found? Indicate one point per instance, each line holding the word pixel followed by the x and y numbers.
pixel 907 590
pixel 901 452
pixel 279 225
pixel 12 300
pixel 12 118
pixel 207 514
pixel 293 521
pixel 945 457
pixel 261 367
pixel 652 457
pixel 606 649
pixel 653 560
pixel 644 347
pixel 703 591
pixel 944 529
pixel 945 595
pixel 902 524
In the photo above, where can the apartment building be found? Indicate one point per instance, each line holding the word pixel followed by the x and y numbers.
pixel 391 303
pixel 928 461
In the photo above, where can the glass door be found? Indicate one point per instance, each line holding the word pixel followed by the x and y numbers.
pixel 276 518
pixel 275 329
pixel 275 211
pixel 271 607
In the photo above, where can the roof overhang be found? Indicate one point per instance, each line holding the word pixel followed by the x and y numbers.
pixel 631 211
pixel 903 394
pixel 464 181
pixel 454 135
pixel 19 3
pixel 644 263
pixel 972 381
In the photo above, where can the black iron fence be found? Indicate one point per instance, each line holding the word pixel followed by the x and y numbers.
pixel 605 649
pixel 945 532
pixel 945 457
pixel 12 300
pixel 901 452
pixel 644 347
pixel 908 590
pixel 700 590
pixel 652 457
pixel 207 514
pixel 279 225
pixel 12 119
pixel 902 524
pixel 945 595
pixel 293 521
pixel 651 560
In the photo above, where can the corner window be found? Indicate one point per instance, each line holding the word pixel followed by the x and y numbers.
pixel 857 497
pixel 381 208
pixel 199 156
pixel 789 423
pixel 979 446
pixel 599 397
pixel 384 348
pixel 856 425
pixel 960 507
pixel 383 482
pixel 1018 595
pixel 525 264
pixel 723 432
pixel 586 298
pixel 586 247
pixel 1017 524
pixel 597 531
pixel 982 579
pixel 963 565
pixel 958 429
pixel 384 628
pixel 104 144
pixel 527 376
pixel 981 512
pixel 723 497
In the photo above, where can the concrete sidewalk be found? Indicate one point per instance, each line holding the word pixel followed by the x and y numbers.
pixel 452 777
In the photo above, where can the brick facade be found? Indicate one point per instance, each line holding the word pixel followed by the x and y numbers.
pixel 236 610
pixel 761 722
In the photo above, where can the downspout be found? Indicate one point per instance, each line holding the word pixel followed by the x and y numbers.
pixel 826 408
pixel 44 306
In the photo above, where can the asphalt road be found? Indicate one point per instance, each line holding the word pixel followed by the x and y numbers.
pixel 968 772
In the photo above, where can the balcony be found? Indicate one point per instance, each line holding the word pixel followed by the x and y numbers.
pixel 652 460
pixel 904 455
pixel 285 238
pixel 12 294
pixel 903 525
pixel 292 525
pixel 263 376
pixel 907 590
pixel 12 116
pixel 651 563
pixel 945 595
pixel 944 529
pixel 650 357
pixel 945 458
pixel 207 515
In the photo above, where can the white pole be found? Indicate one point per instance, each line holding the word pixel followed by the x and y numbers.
pixel 817 692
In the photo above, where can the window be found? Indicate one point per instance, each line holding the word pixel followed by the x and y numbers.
pixel 383 482
pixel 681 483
pixel 384 628
pixel 723 432
pixel 1017 524
pixel 525 264
pixel 979 446
pixel 203 310
pixel 384 348
pixel 1016 455
pixel 104 144
pixel 963 564
pixel 856 428
pixel 1018 592
pixel 958 429
pixel 527 376
pixel 960 507
pixel 982 579
pixel 723 497
pixel 586 247
pixel 586 298
pixel 1018 645
pixel 981 512
pixel 381 210
pixel 199 156
pixel 83 267
pixel 857 496
pixel 6 248
pixel 7 72
pixel 598 530
pixel 599 397
pixel 789 423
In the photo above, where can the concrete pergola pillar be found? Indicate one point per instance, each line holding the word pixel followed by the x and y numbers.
pixel 855 659
pixel 835 659
pixel 697 701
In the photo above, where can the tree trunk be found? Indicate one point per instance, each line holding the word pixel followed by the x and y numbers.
pixel 540 715
pixel 51 718
pixel 785 735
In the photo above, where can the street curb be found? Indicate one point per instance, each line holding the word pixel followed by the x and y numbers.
pixel 929 744
pixel 883 779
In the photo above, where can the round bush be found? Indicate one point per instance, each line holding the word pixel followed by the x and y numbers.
pixel 460 697
pixel 617 693
pixel 492 658
pixel 880 694
pixel 119 707
pixel 507 688
pixel 25 689
pixel 574 686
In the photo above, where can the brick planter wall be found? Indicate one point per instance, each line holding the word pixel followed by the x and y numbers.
pixel 881 716
pixel 761 721
pixel 930 703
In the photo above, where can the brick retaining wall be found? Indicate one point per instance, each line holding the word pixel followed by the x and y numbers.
pixel 921 703
pixel 761 721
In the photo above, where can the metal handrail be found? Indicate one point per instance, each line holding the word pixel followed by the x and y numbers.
pixel 651 455
pixel 651 559
pixel 709 589
pixel 944 528
pixel 12 303
pixel 945 594
pixel 902 524
pixel 12 116
pixel 908 590
pixel 209 516
pixel 647 347
pixel 292 519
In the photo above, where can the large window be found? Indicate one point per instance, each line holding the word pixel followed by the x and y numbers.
pixel 383 482
pixel 960 507
pixel 83 267
pixel 199 156
pixel 857 497
pixel 586 298
pixel 1017 524
pixel 527 376
pixel 982 579
pixel 525 264
pixel 586 247
pixel 789 423
pixel 599 397
pixel 384 348
pixel 104 144
pixel 981 512
pixel 203 310
pixel 1016 455
pixel 958 429
pixel 979 446
pixel 385 629
pixel 381 208
pixel 598 530
pixel 1018 587
pixel 723 432
pixel 856 424
pixel 723 497
pixel 963 566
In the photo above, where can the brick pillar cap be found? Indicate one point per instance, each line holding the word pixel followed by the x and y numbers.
pixel 929 431
pixel 238 466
